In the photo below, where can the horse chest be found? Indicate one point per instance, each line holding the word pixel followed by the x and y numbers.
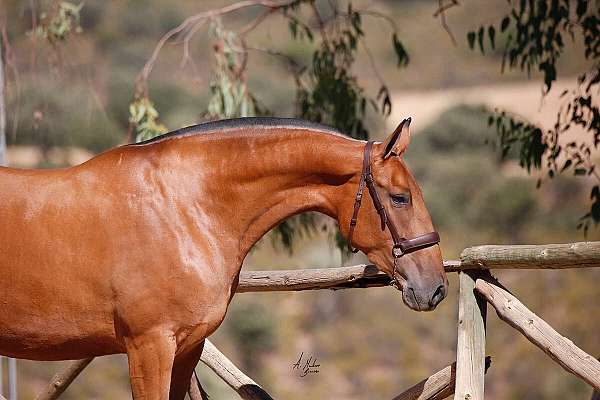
pixel 186 297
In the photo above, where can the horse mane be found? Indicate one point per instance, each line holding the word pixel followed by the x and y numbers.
pixel 237 123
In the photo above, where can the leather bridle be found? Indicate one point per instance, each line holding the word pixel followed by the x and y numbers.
pixel 402 246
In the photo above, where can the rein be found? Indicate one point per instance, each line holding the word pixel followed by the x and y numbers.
pixel 402 246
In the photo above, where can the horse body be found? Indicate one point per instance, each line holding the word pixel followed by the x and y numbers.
pixel 139 249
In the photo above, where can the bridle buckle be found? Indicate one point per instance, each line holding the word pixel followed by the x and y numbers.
pixel 397 251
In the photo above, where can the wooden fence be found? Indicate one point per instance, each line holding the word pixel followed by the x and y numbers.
pixel 465 377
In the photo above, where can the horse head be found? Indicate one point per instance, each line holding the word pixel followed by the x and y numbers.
pixel 393 227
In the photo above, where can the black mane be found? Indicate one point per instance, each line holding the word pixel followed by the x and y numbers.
pixel 213 126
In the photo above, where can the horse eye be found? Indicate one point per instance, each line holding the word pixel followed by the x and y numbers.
pixel 400 200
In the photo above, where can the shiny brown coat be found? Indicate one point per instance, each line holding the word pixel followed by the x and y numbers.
pixel 139 249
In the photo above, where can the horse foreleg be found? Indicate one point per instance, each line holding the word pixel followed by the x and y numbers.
pixel 183 369
pixel 150 359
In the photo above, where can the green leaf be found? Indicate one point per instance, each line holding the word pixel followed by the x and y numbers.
pixel 595 210
pixel 471 39
pixel 505 23
pixel 401 54
pixel 480 35
pixel 293 25
pixel 308 33
pixel 492 36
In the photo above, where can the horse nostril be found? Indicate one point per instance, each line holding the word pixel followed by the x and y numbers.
pixel 438 295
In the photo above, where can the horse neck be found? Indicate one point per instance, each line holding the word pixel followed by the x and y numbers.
pixel 260 179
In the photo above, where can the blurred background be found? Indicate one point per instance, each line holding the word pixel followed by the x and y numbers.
pixel 70 99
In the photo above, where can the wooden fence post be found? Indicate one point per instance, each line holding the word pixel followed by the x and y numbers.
pixel 470 351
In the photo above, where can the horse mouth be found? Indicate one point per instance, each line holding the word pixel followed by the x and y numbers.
pixel 409 297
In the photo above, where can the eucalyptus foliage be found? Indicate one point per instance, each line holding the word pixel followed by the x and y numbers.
pixel 230 96
pixel 536 33
pixel 328 91
pixel 143 117
pixel 62 19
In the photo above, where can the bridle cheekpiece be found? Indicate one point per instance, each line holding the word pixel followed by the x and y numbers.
pixel 402 246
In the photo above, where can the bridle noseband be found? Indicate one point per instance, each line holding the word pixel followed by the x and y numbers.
pixel 402 245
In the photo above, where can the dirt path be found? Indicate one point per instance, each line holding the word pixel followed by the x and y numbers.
pixel 523 98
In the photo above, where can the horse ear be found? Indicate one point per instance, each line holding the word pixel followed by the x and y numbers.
pixel 398 141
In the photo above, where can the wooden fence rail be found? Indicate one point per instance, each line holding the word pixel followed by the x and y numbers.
pixel 539 332
pixel 61 381
pixel 551 256
pixel 476 284
pixel 548 256
pixel 246 388
pixel 437 387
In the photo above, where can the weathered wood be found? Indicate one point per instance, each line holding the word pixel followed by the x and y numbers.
pixel 596 393
pixel 357 276
pixel 311 279
pixel 437 387
pixel 470 351
pixel 538 332
pixel 549 256
pixel 61 381
pixel 12 379
pixel 236 379
pixel 194 392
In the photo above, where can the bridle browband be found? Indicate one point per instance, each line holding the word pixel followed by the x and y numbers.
pixel 402 245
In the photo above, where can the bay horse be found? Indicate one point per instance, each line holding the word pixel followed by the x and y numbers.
pixel 139 249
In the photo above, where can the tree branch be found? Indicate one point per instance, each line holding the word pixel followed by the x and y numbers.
pixel 190 26
pixel 441 12
pixel 321 23
pixel 255 22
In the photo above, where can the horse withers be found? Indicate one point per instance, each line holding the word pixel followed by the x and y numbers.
pixel 139 249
